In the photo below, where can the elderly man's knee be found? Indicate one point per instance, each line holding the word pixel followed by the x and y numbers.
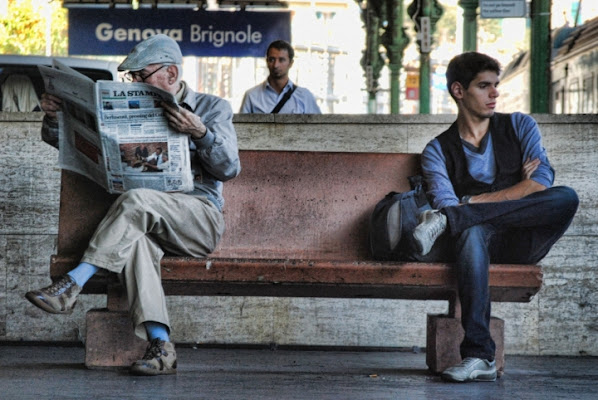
pixel 136 196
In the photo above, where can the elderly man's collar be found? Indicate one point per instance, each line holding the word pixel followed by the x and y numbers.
pixel 186 98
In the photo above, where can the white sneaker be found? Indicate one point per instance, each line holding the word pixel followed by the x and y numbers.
pixel 471 369
pixel 432 224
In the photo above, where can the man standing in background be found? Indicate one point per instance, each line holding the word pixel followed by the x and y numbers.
pixel 278 94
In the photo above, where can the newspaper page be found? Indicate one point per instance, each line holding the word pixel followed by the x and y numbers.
pixel 116 134
pixel 78 137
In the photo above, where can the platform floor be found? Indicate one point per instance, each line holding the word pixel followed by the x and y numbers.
pixel 52 372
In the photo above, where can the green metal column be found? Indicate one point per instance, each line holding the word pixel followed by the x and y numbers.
pixel 395 41
pixel 371 62
pixel 540 57
pixel 470 24
pixel 425 14
pixel 424 83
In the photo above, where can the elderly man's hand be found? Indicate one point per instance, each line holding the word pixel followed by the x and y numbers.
pixel 184 121
pixel 50 105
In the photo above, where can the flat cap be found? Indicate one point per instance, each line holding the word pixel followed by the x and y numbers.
pixel 157 49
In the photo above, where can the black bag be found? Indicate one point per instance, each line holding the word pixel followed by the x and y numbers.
pixel 393 220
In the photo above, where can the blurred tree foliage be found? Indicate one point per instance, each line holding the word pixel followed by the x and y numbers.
pixel 447 24
pixel 489 29
pixel 23 27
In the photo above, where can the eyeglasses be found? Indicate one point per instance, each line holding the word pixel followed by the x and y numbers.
pixel 136 75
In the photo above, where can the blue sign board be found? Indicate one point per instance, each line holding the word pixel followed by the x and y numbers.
pixel 94 31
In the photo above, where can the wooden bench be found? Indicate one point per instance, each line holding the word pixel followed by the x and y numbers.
pixel 296 227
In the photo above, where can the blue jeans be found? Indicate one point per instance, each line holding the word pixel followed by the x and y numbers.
pixel 513 232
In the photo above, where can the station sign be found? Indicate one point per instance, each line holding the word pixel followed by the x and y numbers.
pixel 202 33
pixel 503 8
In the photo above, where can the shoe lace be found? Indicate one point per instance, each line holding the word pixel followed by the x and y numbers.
pixel 154 349
pixel 436 228
pixel 468 361
pixel 59 286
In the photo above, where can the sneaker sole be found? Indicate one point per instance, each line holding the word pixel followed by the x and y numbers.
pixel 479 378
pixel 36 301
pixel 151 371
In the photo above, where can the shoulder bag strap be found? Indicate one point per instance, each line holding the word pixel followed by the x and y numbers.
pixel 284 99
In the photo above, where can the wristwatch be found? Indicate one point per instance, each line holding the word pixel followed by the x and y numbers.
pixel 466 199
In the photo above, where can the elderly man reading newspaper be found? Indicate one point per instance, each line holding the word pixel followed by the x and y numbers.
pixel 142 223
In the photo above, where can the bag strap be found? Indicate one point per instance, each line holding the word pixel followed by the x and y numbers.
pixel 416 181
pixel 417 184
pixel 284 99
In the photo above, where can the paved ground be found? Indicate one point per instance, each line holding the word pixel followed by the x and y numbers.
pixel 50 372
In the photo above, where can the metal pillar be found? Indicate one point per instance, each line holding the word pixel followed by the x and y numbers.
pixel 470 24
pixel 383 21
pixel 540 57
pixel 425 14
pixel 371 62
pixel 395 41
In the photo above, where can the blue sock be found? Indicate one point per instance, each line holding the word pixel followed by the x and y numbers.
pixel 83 272
pixel 156 330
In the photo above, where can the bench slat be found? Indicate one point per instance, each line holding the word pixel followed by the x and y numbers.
pixel 324 278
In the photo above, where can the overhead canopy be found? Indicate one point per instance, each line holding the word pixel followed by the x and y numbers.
pixel 173 3
pixel 319 4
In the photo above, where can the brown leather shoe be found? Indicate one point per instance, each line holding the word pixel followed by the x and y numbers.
pixel 58 298
pixel 159 359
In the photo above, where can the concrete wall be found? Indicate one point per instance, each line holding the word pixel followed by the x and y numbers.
pixel 562 319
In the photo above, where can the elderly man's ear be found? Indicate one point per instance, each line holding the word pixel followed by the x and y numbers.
pixel 173 73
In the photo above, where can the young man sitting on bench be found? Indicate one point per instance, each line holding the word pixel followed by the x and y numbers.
pixel 490 183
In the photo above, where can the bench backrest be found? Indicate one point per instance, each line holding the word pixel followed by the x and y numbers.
pixel 283 205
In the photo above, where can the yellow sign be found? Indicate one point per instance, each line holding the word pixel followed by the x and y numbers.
pixel 412 81
pixel 412 87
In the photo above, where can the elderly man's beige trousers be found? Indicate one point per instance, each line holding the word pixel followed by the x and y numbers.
pixel 139 227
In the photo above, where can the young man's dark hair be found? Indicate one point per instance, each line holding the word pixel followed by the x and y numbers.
pixel 282 45
pixel 465 67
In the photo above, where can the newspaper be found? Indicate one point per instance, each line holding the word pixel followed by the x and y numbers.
pixel 116 134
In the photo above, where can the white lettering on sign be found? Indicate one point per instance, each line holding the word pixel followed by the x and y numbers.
pixel 502 8
pixel 105 32
pixel 426 35
pixel 220 38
